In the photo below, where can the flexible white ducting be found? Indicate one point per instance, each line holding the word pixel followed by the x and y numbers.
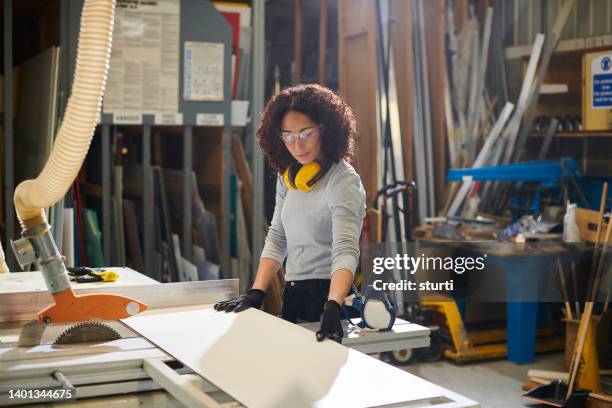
pixel 79 122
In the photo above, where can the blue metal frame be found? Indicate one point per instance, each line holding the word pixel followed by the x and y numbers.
pixel 549 173
pixel 545 171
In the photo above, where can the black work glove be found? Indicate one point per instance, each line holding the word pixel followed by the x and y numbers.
pixel 331 328
pixel 253 298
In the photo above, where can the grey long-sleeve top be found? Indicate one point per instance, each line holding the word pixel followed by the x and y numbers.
pixel 318 231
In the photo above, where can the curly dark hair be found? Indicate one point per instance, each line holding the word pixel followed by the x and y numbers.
pixel 322 106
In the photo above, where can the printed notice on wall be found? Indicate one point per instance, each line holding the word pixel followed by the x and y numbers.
pixel 144 66
pixel 601 69
pixel 203 71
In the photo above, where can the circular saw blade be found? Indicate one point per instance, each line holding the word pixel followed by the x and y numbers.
pixel 87 332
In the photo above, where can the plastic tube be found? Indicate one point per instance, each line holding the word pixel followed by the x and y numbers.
pixel 69 150
pixel 79 122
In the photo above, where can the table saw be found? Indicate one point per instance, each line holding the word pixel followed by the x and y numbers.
pixel 181 352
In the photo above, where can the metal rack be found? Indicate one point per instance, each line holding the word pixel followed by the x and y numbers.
pixel 9 209
pixel 199 21
pixel 259 25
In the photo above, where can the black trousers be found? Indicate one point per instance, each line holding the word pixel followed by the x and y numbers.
pixel 304 300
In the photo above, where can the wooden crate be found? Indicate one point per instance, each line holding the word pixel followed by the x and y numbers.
pixel 587 221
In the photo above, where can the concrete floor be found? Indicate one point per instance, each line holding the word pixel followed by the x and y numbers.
pixel 494 384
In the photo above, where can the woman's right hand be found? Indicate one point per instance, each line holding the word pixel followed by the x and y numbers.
pixel 253 298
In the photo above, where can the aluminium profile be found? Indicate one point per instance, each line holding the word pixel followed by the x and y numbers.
pixel 451 130
pixel 419 156
pixel 474 121
pixel 426 111
pixel 473 95
pixel 513 126
pixel 548 136
pixel 552 40
pixel 482 157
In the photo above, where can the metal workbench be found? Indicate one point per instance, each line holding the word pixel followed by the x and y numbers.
pixel 403 336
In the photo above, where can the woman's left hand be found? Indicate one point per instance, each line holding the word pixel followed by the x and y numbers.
pixel 331 328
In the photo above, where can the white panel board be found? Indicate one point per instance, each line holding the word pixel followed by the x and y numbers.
pixel 263 361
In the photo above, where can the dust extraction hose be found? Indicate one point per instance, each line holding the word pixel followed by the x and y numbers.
pixel 79 122
pixel 69 150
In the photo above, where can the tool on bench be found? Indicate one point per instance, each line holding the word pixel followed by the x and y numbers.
pixel 83 274
pixel 376 309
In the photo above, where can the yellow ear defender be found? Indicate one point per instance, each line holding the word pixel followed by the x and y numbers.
pixel 304 178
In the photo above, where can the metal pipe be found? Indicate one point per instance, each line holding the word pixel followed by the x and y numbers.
pixel 50 261
pixel 259 11
pixel 8 129
pixel 147 202
pixel 187 190
pixel 106 195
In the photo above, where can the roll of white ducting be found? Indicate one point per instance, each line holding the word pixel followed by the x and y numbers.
pixel 79 121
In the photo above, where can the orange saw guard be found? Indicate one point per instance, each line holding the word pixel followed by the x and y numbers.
pixel 71 308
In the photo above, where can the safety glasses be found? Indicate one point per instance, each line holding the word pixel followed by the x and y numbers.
pixel 305 134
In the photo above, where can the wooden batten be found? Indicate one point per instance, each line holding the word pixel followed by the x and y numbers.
pixel 435 30
pixel 403 59
pixel 357 77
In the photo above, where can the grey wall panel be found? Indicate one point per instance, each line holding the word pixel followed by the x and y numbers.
pixel 551 10
pixel 523 23
pixel 200 21
pixel 584 9
pixel 535 19
pixel 570 26
pixel 525 18
pixel 601 17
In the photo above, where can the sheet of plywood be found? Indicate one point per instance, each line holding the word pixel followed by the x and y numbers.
pixel 290 365
pixel 35 113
